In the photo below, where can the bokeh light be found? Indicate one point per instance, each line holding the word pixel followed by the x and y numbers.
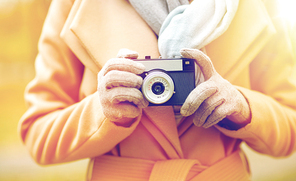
pixel 288 10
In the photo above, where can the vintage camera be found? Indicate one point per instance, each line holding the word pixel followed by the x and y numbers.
pixel 167 81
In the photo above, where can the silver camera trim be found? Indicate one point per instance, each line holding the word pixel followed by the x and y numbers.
pixel 172 65
pixel 158 76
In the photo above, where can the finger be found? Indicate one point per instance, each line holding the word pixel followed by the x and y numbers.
pixel 117 78
pixel 205 111
pixel 126 53
pixel 124 94
pixel 202 60
pixel 123 65
pixel 121 110
pixel 197 96
pixel 217 115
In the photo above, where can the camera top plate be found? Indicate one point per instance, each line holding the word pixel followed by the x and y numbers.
pixel 172 64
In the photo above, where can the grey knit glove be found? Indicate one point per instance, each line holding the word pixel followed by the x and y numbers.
pixel 118 87
pixel 215 98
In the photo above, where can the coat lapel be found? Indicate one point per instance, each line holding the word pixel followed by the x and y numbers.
pixel 101 28
pixel 74 43
pixel 164 129
pixel 249 31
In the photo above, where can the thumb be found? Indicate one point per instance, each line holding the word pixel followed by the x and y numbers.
pixel 202 60
pixel 126 53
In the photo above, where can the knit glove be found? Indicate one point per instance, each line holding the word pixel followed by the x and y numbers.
pixel 215 98
pixel 118 87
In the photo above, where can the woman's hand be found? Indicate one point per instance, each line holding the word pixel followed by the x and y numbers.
pixel 118 86
pixel 215 98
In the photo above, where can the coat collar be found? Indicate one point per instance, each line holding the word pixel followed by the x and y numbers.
pixel 249 31
pixel 93 36
pixel 97 30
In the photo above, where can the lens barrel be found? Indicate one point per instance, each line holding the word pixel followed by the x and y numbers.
pixel 157 87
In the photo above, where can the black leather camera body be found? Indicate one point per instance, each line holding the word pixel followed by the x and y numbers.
pixel 167 81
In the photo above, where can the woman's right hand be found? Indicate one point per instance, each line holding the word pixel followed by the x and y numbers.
pixel 118 87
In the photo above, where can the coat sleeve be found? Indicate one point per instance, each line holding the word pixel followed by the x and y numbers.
pixel 57 126
pixel 272 99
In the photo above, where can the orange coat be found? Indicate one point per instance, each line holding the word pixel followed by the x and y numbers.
pixel 65 122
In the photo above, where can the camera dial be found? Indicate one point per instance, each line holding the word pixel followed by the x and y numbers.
pixel 158 87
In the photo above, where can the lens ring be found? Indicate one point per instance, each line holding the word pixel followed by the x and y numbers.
pixel 158 87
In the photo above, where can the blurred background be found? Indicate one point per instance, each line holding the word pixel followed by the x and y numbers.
pixel 20 26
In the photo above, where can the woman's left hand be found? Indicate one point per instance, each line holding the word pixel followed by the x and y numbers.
pixel 215 98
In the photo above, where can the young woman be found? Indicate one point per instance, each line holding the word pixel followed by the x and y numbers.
pixel 79 107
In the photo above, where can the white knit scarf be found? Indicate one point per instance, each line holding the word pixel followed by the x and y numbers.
pixel 180 25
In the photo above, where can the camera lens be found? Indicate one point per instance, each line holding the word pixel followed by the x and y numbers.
pixel 158 88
